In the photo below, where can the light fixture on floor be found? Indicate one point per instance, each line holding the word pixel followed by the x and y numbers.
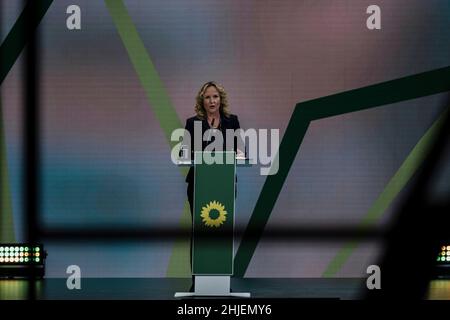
pixel 444 255
pixel 22 260
pixel 443 261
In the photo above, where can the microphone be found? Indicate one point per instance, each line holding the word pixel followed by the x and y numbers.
pixel 212 125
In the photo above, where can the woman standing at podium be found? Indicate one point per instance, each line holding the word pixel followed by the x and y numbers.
pixel 212 110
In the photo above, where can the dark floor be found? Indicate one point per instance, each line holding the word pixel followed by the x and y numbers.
pixel 165 288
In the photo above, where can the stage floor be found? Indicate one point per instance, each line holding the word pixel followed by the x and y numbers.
pixel 165 288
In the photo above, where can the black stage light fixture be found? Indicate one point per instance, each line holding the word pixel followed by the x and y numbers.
pixel 22 260
pixel 443 261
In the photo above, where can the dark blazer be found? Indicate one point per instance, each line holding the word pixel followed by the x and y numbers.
pixel 230 122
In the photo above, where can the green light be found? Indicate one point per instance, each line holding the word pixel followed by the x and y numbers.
pixel 26 259
pixel 26 248
pixel 1 248
pixel 37 260
pixel 37 249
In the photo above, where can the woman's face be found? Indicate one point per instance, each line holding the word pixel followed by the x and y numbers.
pixel 211 100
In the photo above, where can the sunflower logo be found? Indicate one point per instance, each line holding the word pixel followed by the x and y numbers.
pixel 214 214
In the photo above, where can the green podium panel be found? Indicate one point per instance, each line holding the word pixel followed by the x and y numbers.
pixel 214 196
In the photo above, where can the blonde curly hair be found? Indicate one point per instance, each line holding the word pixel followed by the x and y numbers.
pixel 200 109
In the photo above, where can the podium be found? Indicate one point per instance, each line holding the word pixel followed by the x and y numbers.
pixel 213 223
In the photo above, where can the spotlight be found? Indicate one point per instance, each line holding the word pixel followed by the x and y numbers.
pixel 22 260
pixel 443 261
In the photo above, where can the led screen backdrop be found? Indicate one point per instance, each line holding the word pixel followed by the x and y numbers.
pixel 104 127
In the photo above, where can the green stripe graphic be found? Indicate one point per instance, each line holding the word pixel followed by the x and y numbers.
pixel 406 88
pixel 390 192
pixel 164 111
pixel 148 76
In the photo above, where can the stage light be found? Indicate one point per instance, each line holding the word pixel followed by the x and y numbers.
pixel 443 262
pixel 22 260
